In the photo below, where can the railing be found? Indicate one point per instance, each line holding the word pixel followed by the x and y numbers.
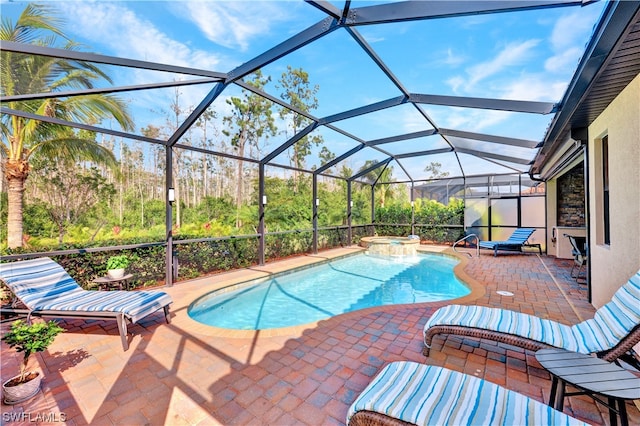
pixel 195 257
pixel 466 238
pixel 439 234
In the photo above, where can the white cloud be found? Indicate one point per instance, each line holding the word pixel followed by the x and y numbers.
pixel 474 120
pixel 130 36
pixel 533 88
pixel 452 59
pixel 513 54
pixel 456 82
pixel 233 24
pixel 564 61
pixel 570 30
pixel 568 38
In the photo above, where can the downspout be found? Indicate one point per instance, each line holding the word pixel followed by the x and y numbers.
pixel 585 148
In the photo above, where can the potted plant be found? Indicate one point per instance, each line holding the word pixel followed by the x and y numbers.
pixel 116 266
pixel 28 339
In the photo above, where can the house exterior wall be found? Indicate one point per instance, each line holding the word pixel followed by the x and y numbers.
pixel 612 264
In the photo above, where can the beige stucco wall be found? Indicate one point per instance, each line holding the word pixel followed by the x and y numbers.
pixel 612 265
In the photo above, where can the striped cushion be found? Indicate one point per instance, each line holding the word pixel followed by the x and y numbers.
pixel 430 395
pixel 610 324
pixel 505 321
pixel 42 284
pixel 612 321
pixel 518 238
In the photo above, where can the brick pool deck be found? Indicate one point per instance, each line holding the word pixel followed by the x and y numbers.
pixel 185 373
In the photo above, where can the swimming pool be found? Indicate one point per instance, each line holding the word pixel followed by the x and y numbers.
pixel 333 288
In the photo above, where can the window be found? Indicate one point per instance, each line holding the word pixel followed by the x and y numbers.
pixel 605 191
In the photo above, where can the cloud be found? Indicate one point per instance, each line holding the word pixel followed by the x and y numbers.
pixel 117 30
pixel 451 59
pixel 233 24
pixel 568 38
pixel 513 54
pixel 563 61
pixel 130 36
pixel 474 120
pixel 570 30
pixel 534 87
pixel 456 82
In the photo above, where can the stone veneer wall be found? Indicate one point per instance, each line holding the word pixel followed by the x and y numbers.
pixel 571 198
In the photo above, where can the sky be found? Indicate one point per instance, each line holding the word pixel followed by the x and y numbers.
pixel 528 55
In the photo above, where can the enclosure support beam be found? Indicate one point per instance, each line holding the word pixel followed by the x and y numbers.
pixel 423 10
pixel 168 215
pixel 315 203
pixel 373 207
pixel 349 207
pixel 262 198
pixel 413 212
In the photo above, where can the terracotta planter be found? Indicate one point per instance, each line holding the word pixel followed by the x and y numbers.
pixel 22 392
pixel 116 273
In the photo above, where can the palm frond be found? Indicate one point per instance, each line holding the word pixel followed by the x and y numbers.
pixel 34 20
pixel 76 149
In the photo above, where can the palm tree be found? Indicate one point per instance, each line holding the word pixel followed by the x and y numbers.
pixel 23 138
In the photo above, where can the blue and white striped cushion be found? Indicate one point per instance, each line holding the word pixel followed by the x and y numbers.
pixel 519 237
pixel 36 280
pixel 609 325
pixel 42 284
pixel 505 321
pixel 430 395
pixel 612 321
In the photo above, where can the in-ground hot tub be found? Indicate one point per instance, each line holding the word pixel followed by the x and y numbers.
pixel 390 246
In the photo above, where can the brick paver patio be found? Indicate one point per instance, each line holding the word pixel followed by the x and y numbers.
pixel 186 374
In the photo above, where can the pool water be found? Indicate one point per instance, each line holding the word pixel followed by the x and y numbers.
pixel 340 286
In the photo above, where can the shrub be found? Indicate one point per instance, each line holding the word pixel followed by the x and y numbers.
pixel 30 338
pixel 118 262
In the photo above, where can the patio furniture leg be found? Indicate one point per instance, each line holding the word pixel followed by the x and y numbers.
pixel 560 398
pixel 122 328
pixel 554 389
pixel 167 316
pixel 618 404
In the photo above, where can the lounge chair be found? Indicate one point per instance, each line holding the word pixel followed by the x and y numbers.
pixel 47 290
pixel 516 242
pixel 408 393
pixel 610 334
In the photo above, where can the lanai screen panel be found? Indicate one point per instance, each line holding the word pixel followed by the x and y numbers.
pixel 329 64
pixel 448 56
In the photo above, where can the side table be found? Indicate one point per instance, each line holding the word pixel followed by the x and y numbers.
pixel 108 283
pixel 591 376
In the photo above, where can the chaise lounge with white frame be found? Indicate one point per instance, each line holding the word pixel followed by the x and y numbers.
pixel 47 290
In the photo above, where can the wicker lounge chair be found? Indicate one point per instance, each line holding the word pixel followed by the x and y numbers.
pixel 47 290
pixel 611 333
pixel 516 242
pixel 408 393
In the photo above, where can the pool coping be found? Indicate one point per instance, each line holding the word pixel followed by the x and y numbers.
pixel 186 292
